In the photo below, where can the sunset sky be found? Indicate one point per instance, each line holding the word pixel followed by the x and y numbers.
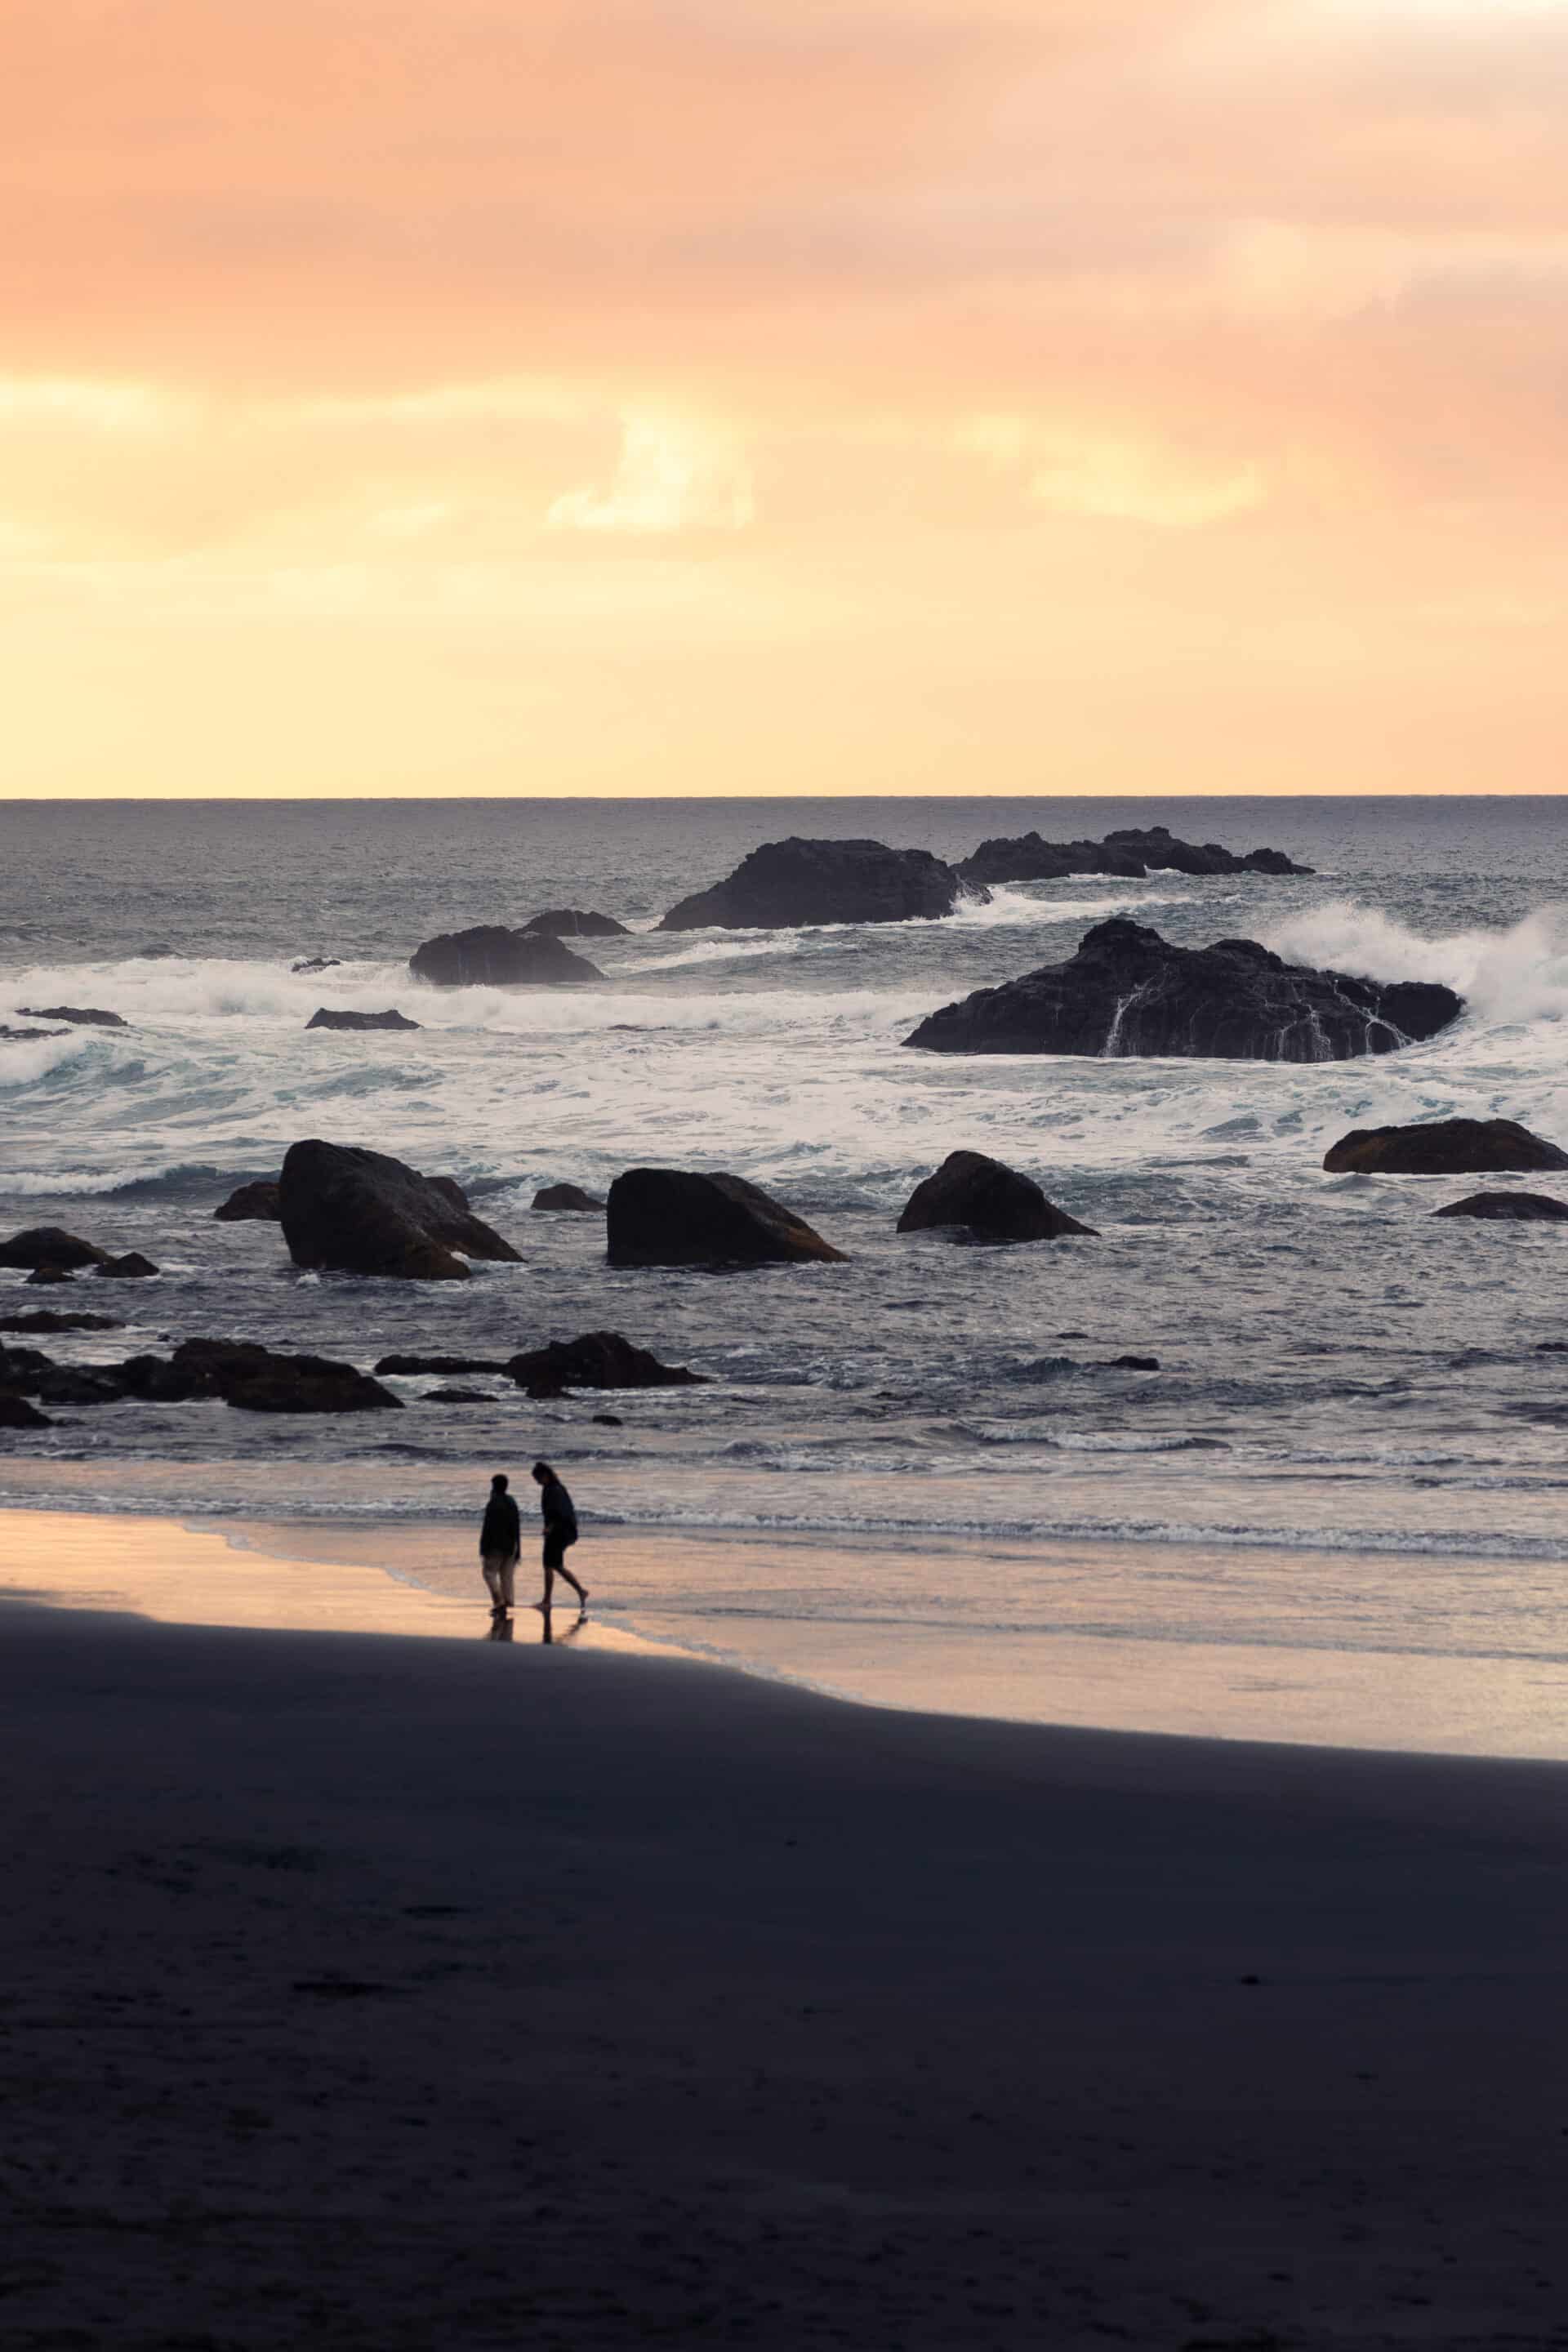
pixel 784 395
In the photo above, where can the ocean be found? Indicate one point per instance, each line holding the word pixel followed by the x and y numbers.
pixel 1341 1375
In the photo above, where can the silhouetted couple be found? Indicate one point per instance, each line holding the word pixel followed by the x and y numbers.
pixel 500 1540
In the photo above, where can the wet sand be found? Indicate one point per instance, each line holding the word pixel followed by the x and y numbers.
pixel 368 1990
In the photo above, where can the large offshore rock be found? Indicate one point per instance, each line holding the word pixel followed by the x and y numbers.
pixel 250 1204
pixel 245 1374
pixel 787 884
pixel 670 1216
pixel 1442 1147
pixel 598 1360
pixel 328 1016
pixel 576 923
pixel 491 956
pixel 1128 991
pixel 1128 854
pixel 51 1246
pixel 357 1212
pixel 1509 1208
pixel 989 1199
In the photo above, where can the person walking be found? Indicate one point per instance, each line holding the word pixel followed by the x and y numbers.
pixel 560 1530
pixel 500 1542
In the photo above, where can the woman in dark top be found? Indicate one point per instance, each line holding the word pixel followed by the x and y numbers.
pixel 560 1530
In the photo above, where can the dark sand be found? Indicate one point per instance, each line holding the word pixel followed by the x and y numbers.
pixel 372 1990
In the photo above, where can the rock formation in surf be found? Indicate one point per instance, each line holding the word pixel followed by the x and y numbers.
pixel 598 1360
pixel 248 1203
pixel 357 1212
pixel 131 1267
pixel 576 923
pixel 987 1199
pixel 327 1017
pixel 672 1217
pixel 786 884
pixel 316 963
pixel 85 1016
pixel 9 1036
pixel 444 1365
pixel 51 1246
pixel 1509 1208
pixel 16 1413
pixel 1128 991
pixel 490 956
pixel 569 1197
pixel 1443 1147
pixel 1128 855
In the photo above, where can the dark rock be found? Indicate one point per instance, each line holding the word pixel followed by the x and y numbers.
pixel 608 1421
pixel 47 1274
pixel 26 1036
pixel 87 1018
pixel 1442 1147
pixel 787 884
pixel 325 1017
pixel 1521 1208
pixel 567 1196
pixel 51 1245
pixel 154 1379
pixel 155 954
pixel 45 1320
pixel 131 1267
pixel 253 1378
pixel 1552 1347
pixel 316 963
pixel 357 1212
pixel 1128 854
pixel 255 1203
pixel 599 1360
pixel 1135 1363
pixel 456 1396
pixel 20 1366
pixel 490 956
pixel 993 1202
pixel 16 1413
pixel 1129 992
pixel 444 1365
pixel 671 1216
pixel 577 923
pixel 79 1384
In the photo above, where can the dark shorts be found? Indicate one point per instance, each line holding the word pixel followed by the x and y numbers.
pixel 555 1544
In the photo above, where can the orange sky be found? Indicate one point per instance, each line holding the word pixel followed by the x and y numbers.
pixel 784 395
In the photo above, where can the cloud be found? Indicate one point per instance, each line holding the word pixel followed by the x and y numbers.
pixel 671 475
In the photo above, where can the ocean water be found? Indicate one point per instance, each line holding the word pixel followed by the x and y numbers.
pixel 1340 1373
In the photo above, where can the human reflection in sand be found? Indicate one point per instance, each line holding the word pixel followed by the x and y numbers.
pixel 498 1630
pixel 548 1633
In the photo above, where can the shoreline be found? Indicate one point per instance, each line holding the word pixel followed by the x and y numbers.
pixel 790 1613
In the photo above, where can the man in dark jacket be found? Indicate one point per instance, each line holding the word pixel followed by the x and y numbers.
pixel 500 1541
pixel 560 1530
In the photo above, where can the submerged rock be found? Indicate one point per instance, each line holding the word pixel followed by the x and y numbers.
pixel 51 1245
pixel 599 1360
pixel 576 923
pixel 45 1320
pixel 787 884
pixel 316 963
pixel 326 1016
pixel 456 1396
pixel 1509 1208
pixel 47 1273
pixel 445 1365
pixel 991 1201
pixel 131 1267
pixel 16 1413
pixel 251 1203
pixel 26 1036
pixel 1129 992
pixel 1129 853
pixel 1442 1147
pixel 350 1210
pixel 85 1016
pixel 490 956
pixel 670 1216
pixel 570 1197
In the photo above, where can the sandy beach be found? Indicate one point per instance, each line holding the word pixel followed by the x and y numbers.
pixel 369 1990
